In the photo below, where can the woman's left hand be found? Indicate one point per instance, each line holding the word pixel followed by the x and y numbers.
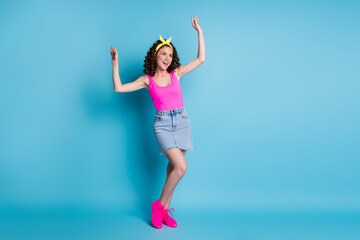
pixel 195 23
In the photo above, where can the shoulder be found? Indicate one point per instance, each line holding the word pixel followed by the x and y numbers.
pixel 145 80
pixel 177 72
pixel 178 68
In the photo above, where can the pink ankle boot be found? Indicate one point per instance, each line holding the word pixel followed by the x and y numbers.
pixel 167 220
pixel 157 214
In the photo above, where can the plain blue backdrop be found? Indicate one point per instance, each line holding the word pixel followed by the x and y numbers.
pixel 274 109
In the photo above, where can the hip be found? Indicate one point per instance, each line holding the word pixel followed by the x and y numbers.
pixel 175 117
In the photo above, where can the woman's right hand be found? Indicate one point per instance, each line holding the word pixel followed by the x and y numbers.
pixel 114 55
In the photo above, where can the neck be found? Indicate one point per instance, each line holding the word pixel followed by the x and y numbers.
pixel 161 72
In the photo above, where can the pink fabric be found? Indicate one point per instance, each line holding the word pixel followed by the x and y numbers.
pixel 157 213
pixel 167 220
pixel 168 97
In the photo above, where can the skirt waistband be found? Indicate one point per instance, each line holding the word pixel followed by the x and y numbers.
pixel 172 111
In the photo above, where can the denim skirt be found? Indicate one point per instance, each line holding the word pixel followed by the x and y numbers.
pixel 172 130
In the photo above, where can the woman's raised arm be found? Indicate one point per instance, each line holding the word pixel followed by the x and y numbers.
pixel 185 69
pixel 128 87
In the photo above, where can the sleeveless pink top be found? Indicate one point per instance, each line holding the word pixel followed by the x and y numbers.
pixel 168 97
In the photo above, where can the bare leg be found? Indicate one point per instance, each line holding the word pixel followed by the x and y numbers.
pixel 178 162
pixel 168 170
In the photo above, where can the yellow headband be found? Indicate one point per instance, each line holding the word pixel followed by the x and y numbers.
pixel 167 42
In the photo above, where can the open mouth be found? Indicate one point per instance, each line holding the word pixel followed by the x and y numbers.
pixel 165 63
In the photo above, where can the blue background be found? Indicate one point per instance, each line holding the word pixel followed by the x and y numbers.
pixel 274 112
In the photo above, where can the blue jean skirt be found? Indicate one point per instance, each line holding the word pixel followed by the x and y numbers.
pixel 172 130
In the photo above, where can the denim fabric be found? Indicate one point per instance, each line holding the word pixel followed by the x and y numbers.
pixel 172 129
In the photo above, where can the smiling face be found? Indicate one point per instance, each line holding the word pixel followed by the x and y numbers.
pixel 164 57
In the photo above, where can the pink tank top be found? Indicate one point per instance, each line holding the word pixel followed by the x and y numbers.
pixel 168 97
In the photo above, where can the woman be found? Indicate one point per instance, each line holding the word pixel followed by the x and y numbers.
pixel 171 124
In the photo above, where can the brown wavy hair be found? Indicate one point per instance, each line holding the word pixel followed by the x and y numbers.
pixel 150 59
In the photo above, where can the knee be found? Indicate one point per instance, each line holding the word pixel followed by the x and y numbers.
pixel 181 170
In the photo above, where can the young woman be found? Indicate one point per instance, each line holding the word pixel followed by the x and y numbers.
pixel 171 123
